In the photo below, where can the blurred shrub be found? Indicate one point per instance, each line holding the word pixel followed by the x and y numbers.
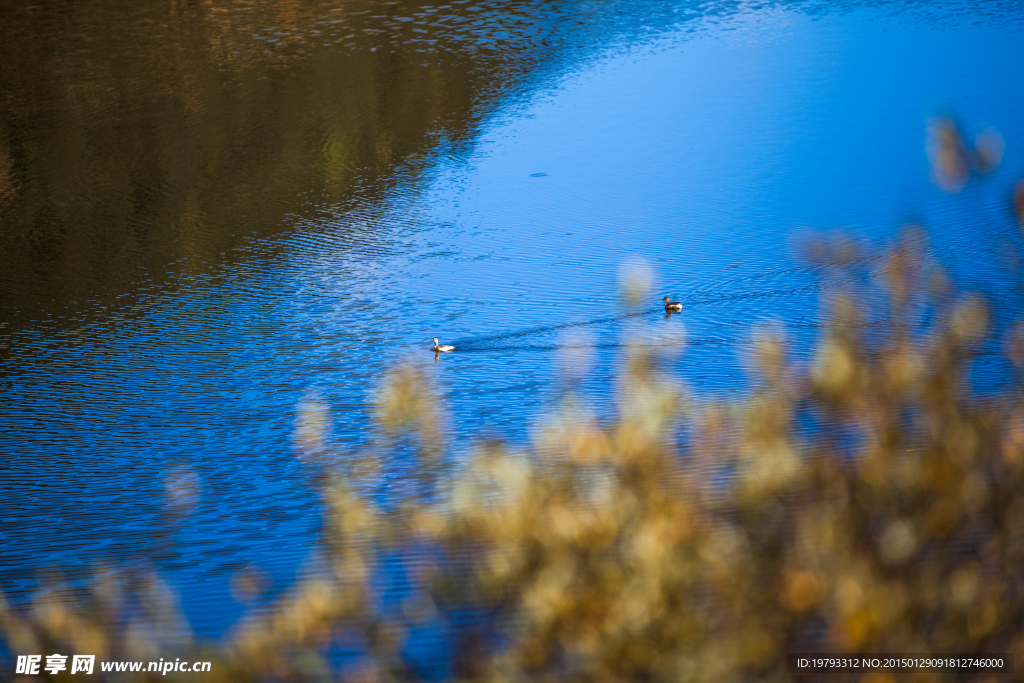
pixel 866 501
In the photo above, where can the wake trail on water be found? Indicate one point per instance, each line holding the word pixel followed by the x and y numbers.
pixel 494 341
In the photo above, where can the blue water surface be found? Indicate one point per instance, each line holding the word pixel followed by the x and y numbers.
pixel 702 150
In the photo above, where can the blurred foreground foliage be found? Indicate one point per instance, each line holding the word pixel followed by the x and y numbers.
pixel 865 501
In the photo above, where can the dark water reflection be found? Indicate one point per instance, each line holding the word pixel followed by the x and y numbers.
pixel 142 142
pixel 214 212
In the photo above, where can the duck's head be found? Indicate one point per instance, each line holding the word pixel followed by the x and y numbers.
pixel 665 299
pixel 435 341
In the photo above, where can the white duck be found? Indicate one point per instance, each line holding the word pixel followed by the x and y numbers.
pixel 444 348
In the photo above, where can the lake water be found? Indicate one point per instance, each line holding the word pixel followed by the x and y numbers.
pixel 211 214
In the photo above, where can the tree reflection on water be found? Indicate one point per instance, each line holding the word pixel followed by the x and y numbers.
pixel 143 143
